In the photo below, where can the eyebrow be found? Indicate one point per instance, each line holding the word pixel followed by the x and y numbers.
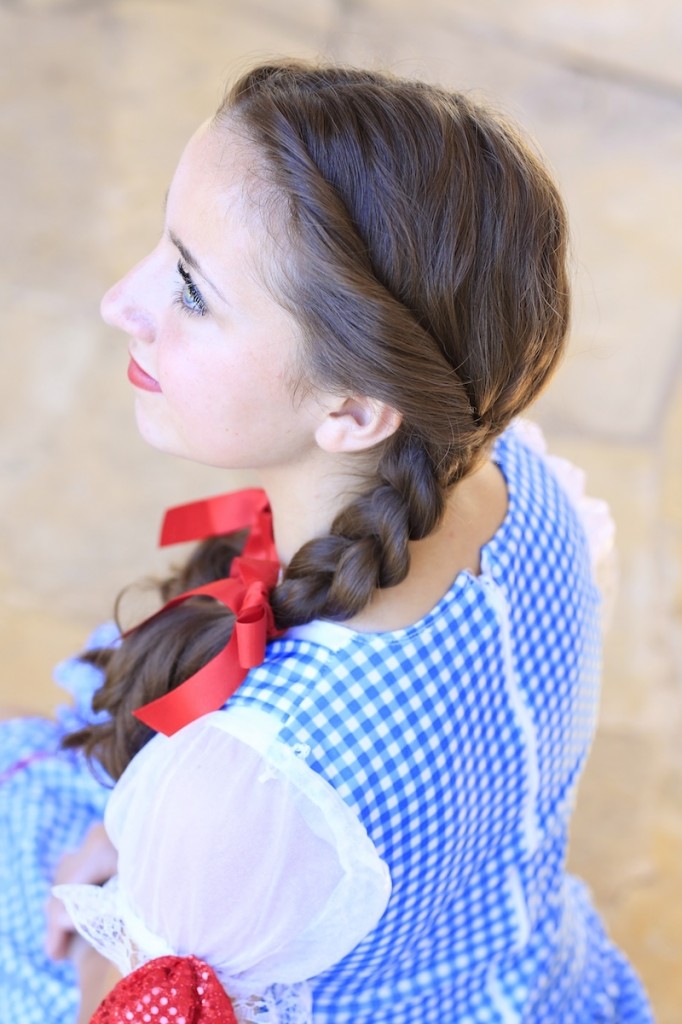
pixel 192 262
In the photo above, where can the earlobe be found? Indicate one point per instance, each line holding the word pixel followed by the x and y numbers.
pixel 356 425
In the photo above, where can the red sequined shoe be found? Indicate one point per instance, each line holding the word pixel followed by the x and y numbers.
pixel 169 990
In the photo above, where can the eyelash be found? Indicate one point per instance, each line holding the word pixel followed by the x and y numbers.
pixel 188 297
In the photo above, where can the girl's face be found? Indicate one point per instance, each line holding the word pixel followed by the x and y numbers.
pixel 213 356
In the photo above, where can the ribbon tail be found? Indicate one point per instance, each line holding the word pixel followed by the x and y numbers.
pixel 251 634
pixel 205 691
pixel 224 513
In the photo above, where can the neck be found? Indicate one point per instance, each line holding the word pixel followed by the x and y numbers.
pixel 474 511
pixel 306 500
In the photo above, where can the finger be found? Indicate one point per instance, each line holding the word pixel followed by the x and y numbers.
pixel 59 931
pixel 67 869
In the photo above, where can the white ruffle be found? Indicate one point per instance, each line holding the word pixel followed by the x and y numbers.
pixel 98 914
pixel 232 849
pixel 110 929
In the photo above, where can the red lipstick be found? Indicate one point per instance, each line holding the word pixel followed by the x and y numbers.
pixel 140 379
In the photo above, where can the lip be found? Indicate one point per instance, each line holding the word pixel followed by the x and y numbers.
pixel 139 378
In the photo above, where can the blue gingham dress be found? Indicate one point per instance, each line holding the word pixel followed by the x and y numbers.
pixel 48 800
pixel 458 742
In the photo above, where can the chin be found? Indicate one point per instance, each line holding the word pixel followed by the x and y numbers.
pixel 153 433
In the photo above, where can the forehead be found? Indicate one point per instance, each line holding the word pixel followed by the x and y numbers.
pixel 223 204
pixel 214 173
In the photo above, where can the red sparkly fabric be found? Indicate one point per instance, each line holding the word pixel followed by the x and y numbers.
pixel 169 990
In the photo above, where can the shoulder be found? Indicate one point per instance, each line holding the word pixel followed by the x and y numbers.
pixel 549 553
pixel 544 495
pixel 533 472
pixel 304 672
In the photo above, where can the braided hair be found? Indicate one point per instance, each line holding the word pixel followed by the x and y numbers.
pixel 426 267
pixel 429 250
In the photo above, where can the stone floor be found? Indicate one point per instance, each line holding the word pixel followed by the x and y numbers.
pixel 96 99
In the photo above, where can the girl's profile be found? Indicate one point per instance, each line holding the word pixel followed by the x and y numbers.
pixel 345 750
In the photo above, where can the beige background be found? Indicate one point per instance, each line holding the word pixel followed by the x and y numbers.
pixel 96 100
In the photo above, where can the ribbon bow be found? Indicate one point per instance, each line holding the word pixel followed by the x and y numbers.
pixel 245 592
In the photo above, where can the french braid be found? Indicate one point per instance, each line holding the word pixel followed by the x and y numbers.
pixel 426 266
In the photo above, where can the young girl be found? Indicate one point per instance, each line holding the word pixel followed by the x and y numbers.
pixel 360 284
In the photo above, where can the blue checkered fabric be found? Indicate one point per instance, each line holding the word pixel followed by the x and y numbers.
pixel 48 800
pixel 459 742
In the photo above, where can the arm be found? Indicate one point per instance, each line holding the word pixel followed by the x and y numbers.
pixel 93 862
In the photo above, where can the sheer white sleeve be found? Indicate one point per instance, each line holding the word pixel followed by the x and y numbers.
pixel 232 849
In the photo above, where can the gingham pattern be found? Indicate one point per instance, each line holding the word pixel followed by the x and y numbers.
pixel 48 800
pixel 459 742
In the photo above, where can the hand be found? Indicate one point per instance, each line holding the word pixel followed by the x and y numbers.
pixel 93 862
pixel 96 977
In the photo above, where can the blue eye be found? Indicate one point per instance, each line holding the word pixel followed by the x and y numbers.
pixel 188 297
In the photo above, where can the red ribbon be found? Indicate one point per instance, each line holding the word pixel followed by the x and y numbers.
pixel 226 513
pixel 245 592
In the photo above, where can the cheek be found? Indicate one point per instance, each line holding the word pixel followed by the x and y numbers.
pixel 240 386
pixel 184 368
pixel 204 393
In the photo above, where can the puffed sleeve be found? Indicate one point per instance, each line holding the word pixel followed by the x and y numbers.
pixel 232 849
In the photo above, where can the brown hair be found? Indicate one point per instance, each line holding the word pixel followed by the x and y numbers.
pixel 157 657
pixel 429 272
pixel 427 269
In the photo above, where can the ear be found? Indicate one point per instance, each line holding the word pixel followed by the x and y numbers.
pixel 357 424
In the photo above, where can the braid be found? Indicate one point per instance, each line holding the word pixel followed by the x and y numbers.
pixel 334 577
pixel 157 657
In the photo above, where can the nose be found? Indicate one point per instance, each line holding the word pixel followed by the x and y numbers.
pixel 129 305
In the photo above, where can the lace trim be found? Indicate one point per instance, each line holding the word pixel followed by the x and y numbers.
pixel 281 1004
pixel 97 916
